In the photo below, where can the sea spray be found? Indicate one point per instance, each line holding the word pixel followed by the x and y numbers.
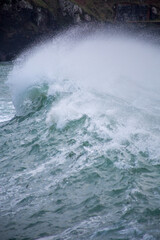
pixel 80 160
pixel 113 63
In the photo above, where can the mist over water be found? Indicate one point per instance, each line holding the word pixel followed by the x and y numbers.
pixel 81 158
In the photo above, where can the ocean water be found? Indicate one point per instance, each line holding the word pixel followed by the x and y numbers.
pixel 80 139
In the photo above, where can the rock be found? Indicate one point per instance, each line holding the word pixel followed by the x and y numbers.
pixel 107 10
pixel 87 17
pixel 25 4
pixel 66 7
pixel 77 18
pixel 23 22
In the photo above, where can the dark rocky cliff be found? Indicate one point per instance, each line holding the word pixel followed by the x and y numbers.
pixel 22 22
pixel 130 10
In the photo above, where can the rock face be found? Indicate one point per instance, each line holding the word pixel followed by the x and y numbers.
pixel 23 22
pixel 74 11
pixel 129 10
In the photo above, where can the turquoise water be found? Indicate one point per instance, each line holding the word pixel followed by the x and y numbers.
pixel 80 140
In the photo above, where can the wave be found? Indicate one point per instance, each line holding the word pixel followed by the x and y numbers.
pixel 109 79
pixel 102 61
pixel 81 158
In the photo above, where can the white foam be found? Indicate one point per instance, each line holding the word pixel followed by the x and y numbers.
pixel 104 61
pixel 109 77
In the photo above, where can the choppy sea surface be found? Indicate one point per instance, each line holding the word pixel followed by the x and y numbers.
pixel 80 139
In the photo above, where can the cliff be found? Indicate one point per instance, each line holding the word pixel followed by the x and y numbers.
pixel 22 22
pixel 122 10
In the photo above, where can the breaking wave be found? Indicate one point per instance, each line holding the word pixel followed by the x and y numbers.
pixel 85 139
